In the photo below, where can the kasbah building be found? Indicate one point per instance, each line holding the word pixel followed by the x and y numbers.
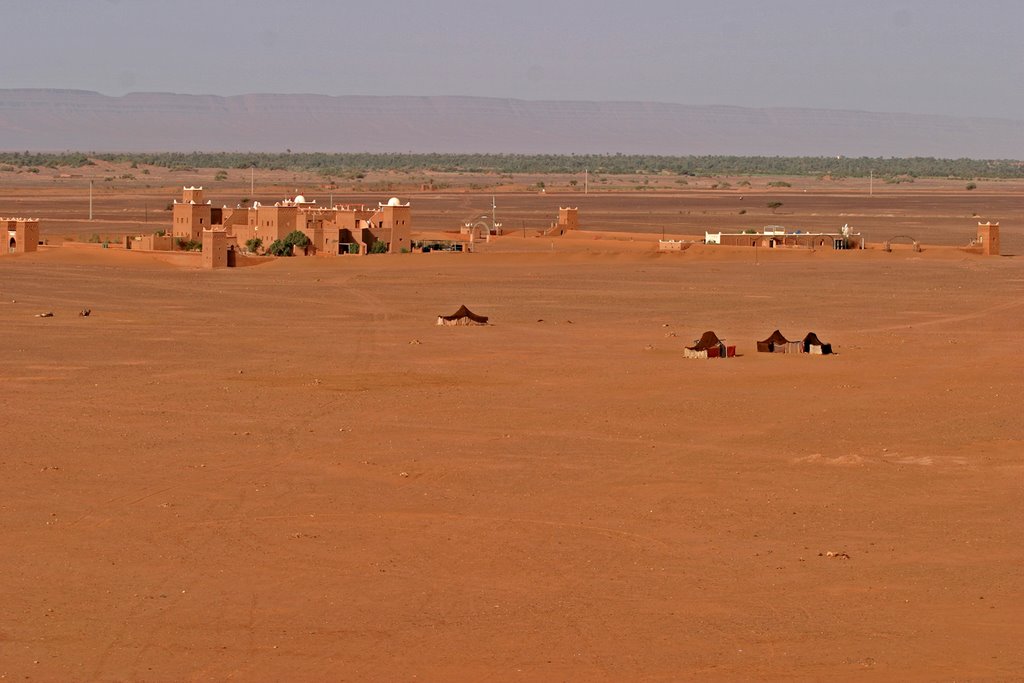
pixel 18 235
pixel 335 230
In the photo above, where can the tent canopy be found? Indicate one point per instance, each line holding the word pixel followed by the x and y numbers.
pixel 707 340
pixel 776 337
pixel 464 312
pixel 775 341
pixel 811 340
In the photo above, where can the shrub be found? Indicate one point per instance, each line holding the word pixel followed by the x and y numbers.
pixel 279 248
pixel 379 247
pixel 779 183
pixel 971 186
pixel 94 239
pixel 254 244
pixel 297 238
pixel 774 205
pixel 189 245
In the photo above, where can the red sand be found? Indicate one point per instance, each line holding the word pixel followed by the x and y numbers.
pixel 258 474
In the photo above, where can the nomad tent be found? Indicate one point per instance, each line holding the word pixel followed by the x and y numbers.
pixel 709 346
pixel 463 316
pixel 814 345
pixel 776 343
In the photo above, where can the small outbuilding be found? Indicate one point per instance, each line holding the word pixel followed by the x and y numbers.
pixel 463 316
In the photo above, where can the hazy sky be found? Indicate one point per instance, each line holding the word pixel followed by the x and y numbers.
pixel 922 56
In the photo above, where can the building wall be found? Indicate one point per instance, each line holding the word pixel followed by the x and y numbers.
pixel 988 238
pixel 215 249
pixel 189 220
pixel 825 241
pixel 152 243
pixel 18 235
pixel 275 222
pixel 393 224
pixel 569 218
pixel 192 195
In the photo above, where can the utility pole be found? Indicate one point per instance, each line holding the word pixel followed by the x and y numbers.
pixel 871 183
pixel 252 182
pixel 90 199
pixel 586 181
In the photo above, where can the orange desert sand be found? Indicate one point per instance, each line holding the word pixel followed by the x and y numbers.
pixel 289 472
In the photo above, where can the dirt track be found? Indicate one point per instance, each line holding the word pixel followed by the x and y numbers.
pixel 257 474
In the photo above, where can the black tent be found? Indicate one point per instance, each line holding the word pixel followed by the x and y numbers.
pixel 709 345
pixel 768 345
pixel 463 316
pixel 814 345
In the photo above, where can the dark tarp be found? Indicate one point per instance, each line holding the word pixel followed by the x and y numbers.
pixel 707 341
pixel 464 312
pixel 812 340
pixel 769 344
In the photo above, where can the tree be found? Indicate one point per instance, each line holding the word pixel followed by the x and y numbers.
pixel 279 248
pixel 774 205
pixel 297 238
pixel 254 244
pixel 286 247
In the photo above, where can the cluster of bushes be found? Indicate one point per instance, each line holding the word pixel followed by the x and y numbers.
pixel 286 247
pixel 356 165
pixel 189 245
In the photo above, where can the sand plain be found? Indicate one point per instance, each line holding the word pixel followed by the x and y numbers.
pixel 288 472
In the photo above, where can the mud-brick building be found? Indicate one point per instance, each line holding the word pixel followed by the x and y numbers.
pixel 776 236
pixel 18 235
pixel 334 230
pixel 191 215
pixel 988 238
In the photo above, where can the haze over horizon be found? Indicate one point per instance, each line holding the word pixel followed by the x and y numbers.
pixel 937 58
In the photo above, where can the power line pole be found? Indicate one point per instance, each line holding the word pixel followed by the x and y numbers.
pixel 90 199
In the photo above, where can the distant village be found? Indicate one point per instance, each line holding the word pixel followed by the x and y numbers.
pixel 297 226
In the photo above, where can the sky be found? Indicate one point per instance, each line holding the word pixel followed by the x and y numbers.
pixel 916 56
